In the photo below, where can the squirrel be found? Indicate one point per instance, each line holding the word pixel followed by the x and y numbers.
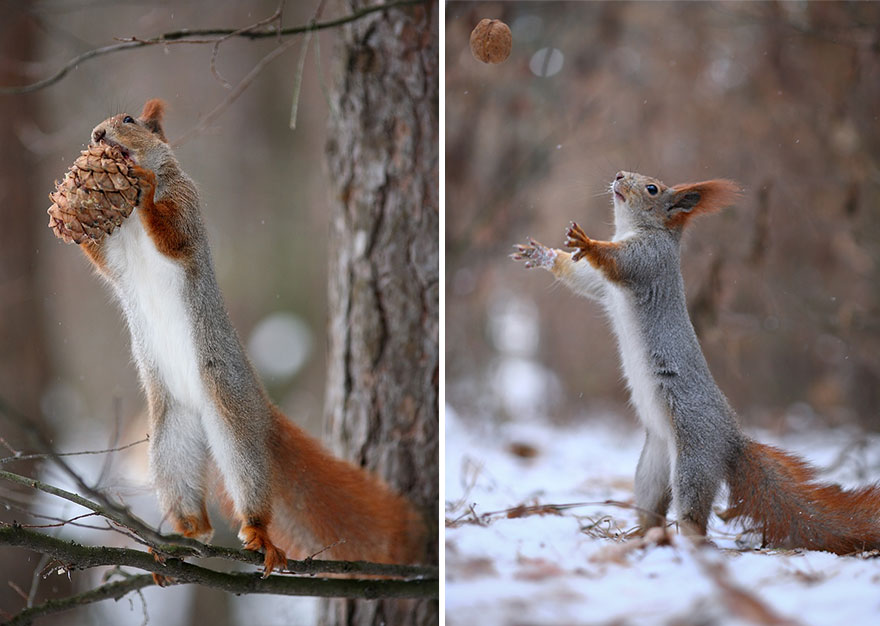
pixel 205 401
pixel 693 443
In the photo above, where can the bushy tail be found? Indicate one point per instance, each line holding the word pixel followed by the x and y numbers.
pixel 778 493
pixel 323 501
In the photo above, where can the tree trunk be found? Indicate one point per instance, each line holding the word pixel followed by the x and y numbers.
pixel 382 401
pixel 22 347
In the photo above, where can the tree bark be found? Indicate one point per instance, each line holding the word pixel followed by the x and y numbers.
pixel 23 363
pixel 383 359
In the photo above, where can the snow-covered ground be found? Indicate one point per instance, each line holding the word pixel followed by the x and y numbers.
pixel 545 566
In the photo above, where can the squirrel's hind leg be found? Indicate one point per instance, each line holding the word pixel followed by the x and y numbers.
pixel 695 485
pixel 178 463
pixel 244 433
pixel 652 487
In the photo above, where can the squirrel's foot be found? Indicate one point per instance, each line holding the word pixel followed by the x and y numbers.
pixel 160 579
pixel 534 254
pixel 255 537
pixel 695 533
pixel 575 237
pixel 196 527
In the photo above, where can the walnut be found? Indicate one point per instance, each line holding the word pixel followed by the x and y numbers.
pixel 491 41
pixel 99 190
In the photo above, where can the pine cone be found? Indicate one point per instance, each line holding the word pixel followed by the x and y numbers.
pixel 98 191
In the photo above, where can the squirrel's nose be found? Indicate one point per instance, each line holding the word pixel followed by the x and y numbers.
pixel 619 176
pixel 98 135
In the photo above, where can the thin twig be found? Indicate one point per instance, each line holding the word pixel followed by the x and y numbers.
pixel 118 514
pixel 115 590
pixel 17 589
pixel 234 94
pixel 112 510
pixel 59 522
pixel 191 36
pixel 5 444
pixel 275 17
pixel 35 579
pixel 44 455
pixel 301 66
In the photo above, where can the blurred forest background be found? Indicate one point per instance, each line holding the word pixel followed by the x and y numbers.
pixel 784 288
pixel 64 348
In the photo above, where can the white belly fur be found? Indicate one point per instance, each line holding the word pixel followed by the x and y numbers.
pixel 635 360
pixel 151 289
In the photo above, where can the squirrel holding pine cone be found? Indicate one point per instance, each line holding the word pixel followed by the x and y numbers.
pixel 136 215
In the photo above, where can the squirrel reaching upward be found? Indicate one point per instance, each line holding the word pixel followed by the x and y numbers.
pixel 693 441
pixel 205 401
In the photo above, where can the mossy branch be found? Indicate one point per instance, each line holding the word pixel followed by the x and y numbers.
pixel 74 556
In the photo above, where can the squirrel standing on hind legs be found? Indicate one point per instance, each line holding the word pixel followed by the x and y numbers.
pixel 205 401
pixel 693 441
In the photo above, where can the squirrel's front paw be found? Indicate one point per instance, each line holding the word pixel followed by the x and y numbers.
pixel 146 183
pixel 575 237
pixel 256 538
pixel 534 254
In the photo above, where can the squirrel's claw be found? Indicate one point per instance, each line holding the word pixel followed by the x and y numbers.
pixel 575 237
pixel 534 254
pixel 160 579
pixel 256 538
pixel 526 252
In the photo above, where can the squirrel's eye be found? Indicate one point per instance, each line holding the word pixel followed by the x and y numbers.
pixel 128 119
pixel 652 189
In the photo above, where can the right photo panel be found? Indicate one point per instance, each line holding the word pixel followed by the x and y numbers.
pixel 662 338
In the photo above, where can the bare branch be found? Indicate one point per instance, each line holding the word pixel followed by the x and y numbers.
pixel 112 510
pixel 301 64
pixel 115 590
pixel 116 513
pixel 275 17
pixel 234 94
pixel 175 546
pixel 77 556
pixel 82 557
pixel 192 36
pixel 28 457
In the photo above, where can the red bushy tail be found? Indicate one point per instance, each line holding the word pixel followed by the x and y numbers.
pixel 778 492
pixel 322 501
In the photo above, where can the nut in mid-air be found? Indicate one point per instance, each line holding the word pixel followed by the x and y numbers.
pixel 491 41
pixel 98 191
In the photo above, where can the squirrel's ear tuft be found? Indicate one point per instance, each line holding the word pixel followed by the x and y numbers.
pixel 151 116
pixel 695 198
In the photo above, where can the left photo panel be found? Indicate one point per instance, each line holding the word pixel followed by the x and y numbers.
pixel 219 314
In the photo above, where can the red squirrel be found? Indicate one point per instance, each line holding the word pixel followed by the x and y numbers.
pixel 206 404
pixel 693 442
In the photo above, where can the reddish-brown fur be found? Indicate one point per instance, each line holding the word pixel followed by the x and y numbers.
pixel 325 506
pixel 318 503
pixel 95 252
pixel 161 222
pixel 255 537
pixel 324 501
pixel 714 196
pixel 601 254
pixel 194 525
pixel 152 114
pixel 778 492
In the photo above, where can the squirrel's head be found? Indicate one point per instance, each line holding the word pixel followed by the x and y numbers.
pixel 642 201
pixel 140 138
